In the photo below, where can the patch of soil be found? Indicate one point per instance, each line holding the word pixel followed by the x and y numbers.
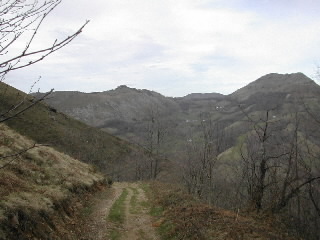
pixel 91 221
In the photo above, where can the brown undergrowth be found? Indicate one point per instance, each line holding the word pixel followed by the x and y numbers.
pixel 184 217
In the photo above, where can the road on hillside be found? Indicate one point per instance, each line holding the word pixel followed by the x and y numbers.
pixel 136 223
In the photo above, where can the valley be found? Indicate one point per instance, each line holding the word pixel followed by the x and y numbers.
pixel 248 160
pixel 168 126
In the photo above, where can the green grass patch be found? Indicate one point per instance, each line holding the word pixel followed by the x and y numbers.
pixel 145 204
pixel 117 211
pixel 115 235
pixel 156 211
pixel 164 231
pixel 135 206
pixel 133 202
pixel 145 187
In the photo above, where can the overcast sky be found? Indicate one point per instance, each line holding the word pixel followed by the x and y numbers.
pixel 175 47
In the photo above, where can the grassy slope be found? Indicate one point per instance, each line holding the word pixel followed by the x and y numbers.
pixel 47 126
pixel 37 188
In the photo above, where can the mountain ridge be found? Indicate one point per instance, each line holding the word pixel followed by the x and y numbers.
pixel 124 111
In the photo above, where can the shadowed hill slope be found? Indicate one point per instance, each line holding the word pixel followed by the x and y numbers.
pixel 46 125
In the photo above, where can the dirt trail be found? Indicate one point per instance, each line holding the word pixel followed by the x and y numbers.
pixel 96 221
pixel 137 223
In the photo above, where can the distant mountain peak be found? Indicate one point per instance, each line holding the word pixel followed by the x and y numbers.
pixel 300 74
pixel 204 96
pixel 277 83
pixel 122 87
pixel 285 78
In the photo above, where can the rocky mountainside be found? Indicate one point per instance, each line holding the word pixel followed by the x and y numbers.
pixel 123 103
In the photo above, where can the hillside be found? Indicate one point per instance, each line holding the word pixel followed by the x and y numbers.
pixel 40 189
pixel 46 125
pixel 128 113
pixel 121 103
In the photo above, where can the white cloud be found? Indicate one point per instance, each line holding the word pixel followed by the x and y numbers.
pixel 177 47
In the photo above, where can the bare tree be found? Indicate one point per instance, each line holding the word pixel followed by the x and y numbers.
pixel 155 137
pixel 202 155
pixel 275 165
pixel 20 22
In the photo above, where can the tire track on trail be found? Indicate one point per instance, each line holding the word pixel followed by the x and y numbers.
pixel 137 223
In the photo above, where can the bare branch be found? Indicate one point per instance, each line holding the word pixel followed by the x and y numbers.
pixel 11 65
pixel 316 206
pixel 24 109
pixel 20 17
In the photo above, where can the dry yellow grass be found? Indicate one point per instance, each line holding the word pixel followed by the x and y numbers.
pixel 38 179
